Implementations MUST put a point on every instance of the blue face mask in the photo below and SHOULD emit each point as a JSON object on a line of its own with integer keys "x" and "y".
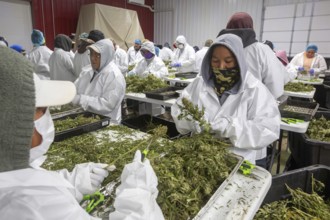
{"x": 148, "y": 55}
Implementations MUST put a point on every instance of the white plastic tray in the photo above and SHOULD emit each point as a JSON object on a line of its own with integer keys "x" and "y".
{"x": 240, "y": 199}
{"x": 308, "y": 95}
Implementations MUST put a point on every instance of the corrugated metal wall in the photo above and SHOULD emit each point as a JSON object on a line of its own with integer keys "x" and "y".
{"x": 199, "y": 20}
{"x": 61, "y": 16}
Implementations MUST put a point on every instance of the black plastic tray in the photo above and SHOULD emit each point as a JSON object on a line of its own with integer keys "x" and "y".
{"x": 306, "y": 151}
{"x": 188, "y": 75}
{"x": 104, "y": 121}
{"x": 141, "y": 123}
{"x": 164, "y": 93}
{"x": 306, "y": 116}
{"x": 300, "y": 178}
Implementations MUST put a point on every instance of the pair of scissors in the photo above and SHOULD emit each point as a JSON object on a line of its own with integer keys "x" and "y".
{"x": 246, "y": 168}
{"x": 145, "y": 151}
{"x": 291, "y": 120}
{"x": 93, "y": 200}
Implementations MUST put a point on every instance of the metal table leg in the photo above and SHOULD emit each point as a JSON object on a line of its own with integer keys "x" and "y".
{"x": 279, "y": 152}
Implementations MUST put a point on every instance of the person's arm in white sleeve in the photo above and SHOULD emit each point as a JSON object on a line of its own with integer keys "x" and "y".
{"x": 184, "y": 125}
{"x": 123, "y": 62}
{"x": 137, "y": 193}
{"x": 322, "y": 65}
{"x": 86, "y": 178}
{"x": 191, "y": 58}
{"x": 259, "y": 128}
{"x": 67, "y": 61}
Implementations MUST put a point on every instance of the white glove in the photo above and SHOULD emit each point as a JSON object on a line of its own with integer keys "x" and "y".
{"x": 86, "y": 177}
{"x": 76, "y": 100}
{"x": 136, "y": 196}
{"x": 219, "y": 125}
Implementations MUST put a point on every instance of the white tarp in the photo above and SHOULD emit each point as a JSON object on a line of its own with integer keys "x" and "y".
{"x": 119, "y": 24}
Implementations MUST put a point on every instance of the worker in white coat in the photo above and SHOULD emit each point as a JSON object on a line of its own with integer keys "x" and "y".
{"x": 166, "y": 54}
{"x": 28, "y": 193}
{"x": 291, "y": 69}
{"x": 309, "y": 61}
{"x": 40, "y": 54}
{"x": 101, "y": 87}
{"x": 201, "y": 53}
{"x": 121, "y": 58}
{"x": 61, "y": 61}
{"x": 133, "y": 53}
{"x": 150, "y": 64}
{"x": 184, "y": 56}
{"x": 261, "y": 60}
{"x": 81, "y": 57}
{"x": 236, "y": 104}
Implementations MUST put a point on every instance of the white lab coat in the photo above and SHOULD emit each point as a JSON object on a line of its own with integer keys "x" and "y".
{"x": 292, "y": 72}
{"x": 186, "y": 57}
{"x": 250, "y": 118}
{"x": 133, "y": 56}
{"x": 80, "y": 60}
{"x": 39, "y": 56}
{"x": 249, "y": 115}
{"x": 121, "y": 60}
{"x": 38, "y": 195}
{"x": 155, "y": 67}
{"x": 199, "y": 58}
{"x": 266, "y": 67}
{"x": 104, "y": 94}
{"x": 166, "y": 54}
{"x": 61, "y": 66}
{"x": 318, "y": 64}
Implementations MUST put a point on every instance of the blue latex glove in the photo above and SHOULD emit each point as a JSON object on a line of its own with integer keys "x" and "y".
{"x": 176, "y": 65}
{"x": 300, "y": 69}
{"x": 312, "y": 71}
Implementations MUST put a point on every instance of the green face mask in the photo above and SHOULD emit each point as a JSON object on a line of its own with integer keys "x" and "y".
{"x": 225, "y": 79}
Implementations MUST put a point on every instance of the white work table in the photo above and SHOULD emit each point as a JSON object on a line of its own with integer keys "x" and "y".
{"x": 179, "y": 80}
{"x": 308, "y": 95}
{"x": 142, "y": 98}
{"x": 318, "y": 82}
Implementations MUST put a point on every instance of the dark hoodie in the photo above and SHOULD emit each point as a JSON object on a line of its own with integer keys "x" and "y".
{"x": 64, "y": 42}
{"x": 241, "y": 24}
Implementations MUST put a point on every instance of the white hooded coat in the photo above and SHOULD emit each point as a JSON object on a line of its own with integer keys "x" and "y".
{"x": 61, "y": 65}
{"x": 249, "y": 116}
{"x": 106, "y": 91}
{"x": 166, "y": 54}
{"x": 154, "y": 66}
{"x": 185, "y": 56}
{"x": 121, "y": 60}
{"x": 133, "y": 56}
{"x": 318, "y": 64}
{"x": 80, "y": 60}
{"x": 199, "y": 58}
{"x": 39, "y": 56}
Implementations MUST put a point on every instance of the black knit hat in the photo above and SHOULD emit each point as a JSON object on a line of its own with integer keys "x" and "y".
{"x": 96, "y": 35}
{"x": 17, "y": 98}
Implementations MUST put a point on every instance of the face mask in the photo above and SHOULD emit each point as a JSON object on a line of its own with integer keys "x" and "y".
{"x": 45, "y": 128}
{"x": 225, "y": 79}
{"x": 148, "y": 55}
{"x": 180, "y": 46}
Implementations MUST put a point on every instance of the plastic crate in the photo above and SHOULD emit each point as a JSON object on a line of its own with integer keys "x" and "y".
{"x": 300, "y": 178}
{"x": 189, "y": 75}
{"x": 104, "y": 121}
{"x": 141, "y": 123}
{"x": 163, "y": 94}
{"x": 306, "y": 151}
{"x": 304, "y": 110}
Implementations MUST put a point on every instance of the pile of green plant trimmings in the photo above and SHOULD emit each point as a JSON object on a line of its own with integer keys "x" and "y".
{"x": 62, "y": 108}
{"x": 302, "y": 206}
{"x": 319, "y": 129}
{"x": 298, "y": 87}
{"x": 144, "y": 84}
{"x": 69, "y": 123}
{"x": 189, "y": 169}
